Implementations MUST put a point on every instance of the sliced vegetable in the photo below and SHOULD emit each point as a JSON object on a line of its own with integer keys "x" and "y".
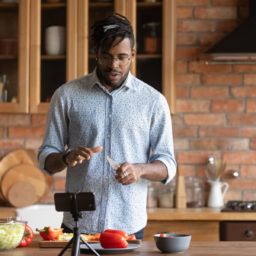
{"x": 131, "y": 237}
{"x": 49, "y": 233}
{"x": 27, "y": 237}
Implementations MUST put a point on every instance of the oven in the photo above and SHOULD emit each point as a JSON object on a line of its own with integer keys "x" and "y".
{"x": 238, "y": 230}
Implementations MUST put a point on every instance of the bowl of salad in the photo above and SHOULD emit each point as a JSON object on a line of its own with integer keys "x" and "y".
{"x": 11, "y": 233}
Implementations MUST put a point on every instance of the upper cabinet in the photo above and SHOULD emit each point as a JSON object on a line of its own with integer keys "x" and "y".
{"x": 14, "y": 55}
{"x": 53, "y": 46}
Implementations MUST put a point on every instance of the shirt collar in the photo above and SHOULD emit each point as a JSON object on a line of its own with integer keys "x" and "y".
{"x": 95, "y": 80}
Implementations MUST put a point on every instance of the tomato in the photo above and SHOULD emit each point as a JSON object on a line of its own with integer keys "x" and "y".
{"x": 110, "y": 239}
{"x": 27, "y": 237}
{"x": 49, "y": 233}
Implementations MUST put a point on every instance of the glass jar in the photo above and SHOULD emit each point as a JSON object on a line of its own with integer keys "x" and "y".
{"x": 152, "y": 41}
{"x": 166, "y": 195}
{"x": 194, "y": 192}
{"x": 152, "y": 197}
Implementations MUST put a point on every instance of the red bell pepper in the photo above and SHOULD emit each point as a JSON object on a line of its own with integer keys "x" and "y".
{"x": 27, "y": 237}
{"x": 117, "y": 231}
{"x": 49, "y": 233}
{"x": 113, "y": 239}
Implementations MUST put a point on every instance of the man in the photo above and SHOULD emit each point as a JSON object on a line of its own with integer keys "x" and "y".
{"x": 110, "y": 113}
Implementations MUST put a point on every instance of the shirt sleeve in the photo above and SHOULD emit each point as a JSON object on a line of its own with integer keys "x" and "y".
{"x": 56, "y": 130}
{"x": 162, "y": 138}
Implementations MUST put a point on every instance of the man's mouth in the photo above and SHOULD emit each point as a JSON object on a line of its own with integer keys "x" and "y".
{"x": 113, "y": 74}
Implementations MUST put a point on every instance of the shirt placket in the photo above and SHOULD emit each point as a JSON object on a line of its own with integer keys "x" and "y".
{"x": 107, "y": 150}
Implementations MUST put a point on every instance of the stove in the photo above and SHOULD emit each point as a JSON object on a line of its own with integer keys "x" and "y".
{"x": 240, "y": 206}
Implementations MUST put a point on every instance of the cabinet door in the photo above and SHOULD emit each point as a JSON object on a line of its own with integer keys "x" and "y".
{"x": 14, "y": 49}
{"x": 53, "y": 49}
{"x": 88, "y": 12}
{"x": 155, "y": 33}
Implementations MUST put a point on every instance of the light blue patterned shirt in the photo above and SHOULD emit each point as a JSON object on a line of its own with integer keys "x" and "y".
{"x": 132, "y": 123}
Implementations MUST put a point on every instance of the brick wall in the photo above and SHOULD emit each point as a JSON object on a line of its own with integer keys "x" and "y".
{"x": 215, "y": 104}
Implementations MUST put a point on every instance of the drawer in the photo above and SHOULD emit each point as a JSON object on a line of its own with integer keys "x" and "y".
{"x": 238, "y": 231}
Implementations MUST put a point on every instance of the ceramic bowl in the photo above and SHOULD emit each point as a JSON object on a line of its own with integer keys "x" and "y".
{"x": 11, "y": 233}
{"x": 172, "y": 242}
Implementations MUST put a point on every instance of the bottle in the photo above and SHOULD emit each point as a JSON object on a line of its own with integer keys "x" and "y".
{"x": 5, "y": 89}
{"x": 151, "y": 37}
{"x": 1, "y": 89}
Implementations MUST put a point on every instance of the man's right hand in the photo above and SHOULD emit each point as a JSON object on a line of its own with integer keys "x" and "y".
{"x": 81, "y": 154}
{"x": 54, "y": 162}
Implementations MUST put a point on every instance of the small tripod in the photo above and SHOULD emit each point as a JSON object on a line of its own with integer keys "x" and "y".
{"x": 73, "y": 200}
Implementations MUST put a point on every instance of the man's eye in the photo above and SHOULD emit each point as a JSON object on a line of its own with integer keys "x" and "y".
{"x": 122, "y": 57}
{"x": 106, "y": 57}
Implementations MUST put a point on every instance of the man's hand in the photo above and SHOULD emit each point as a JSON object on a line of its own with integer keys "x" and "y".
{"x": 81, "y": 154}
{"x": 128, "y": 173}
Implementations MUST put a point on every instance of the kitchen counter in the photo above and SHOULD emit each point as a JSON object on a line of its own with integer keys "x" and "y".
{"x": 148, "y": 248}
{"x": 195, "y": 221}
{"x": 202, "y": 214}
{"x": 172, "y": 214}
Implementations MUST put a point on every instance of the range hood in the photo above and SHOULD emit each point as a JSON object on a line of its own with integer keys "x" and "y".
{"x": 238, "y": 45}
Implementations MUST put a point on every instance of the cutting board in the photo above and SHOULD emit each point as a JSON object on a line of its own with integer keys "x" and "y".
{"x": 21, "y": 194}
{"x": 16, "y": 157}
{"x": 23, "y": 172}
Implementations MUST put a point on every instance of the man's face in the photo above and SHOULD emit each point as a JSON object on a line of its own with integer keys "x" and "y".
{"x": 114, "y": 65}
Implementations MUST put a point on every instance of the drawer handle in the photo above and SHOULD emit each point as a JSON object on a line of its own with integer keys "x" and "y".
{"x": 249, "y": 233}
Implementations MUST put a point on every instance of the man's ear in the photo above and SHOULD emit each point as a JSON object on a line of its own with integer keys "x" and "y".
{"x": 133, "y": 54}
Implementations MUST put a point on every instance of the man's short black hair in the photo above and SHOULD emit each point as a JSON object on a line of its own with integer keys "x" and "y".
{"x": 105, "y": 32}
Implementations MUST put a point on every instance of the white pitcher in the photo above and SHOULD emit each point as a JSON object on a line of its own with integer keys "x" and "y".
{"x": 217, "y": 192}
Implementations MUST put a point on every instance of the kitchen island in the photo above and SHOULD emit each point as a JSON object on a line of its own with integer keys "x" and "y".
{"x": 148, "y": 248}
{"x": 195, "y": 221}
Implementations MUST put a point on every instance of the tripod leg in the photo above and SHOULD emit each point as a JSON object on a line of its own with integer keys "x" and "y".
{"x": 89, "y": 247}
{"x": 66, "y": 247}
{"x": 76, "y": 243}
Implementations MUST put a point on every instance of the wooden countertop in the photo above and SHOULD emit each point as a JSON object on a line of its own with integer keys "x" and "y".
{"x": 173, "y": 214}
{"x": 149, "y": 249}
{"x": 197, "y": 214}
{"x": 6, "y": 212}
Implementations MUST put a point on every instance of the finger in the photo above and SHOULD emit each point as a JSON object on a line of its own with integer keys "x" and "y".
{"x": 96, "y": 149}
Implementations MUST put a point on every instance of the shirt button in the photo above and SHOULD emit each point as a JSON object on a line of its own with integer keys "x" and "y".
{"x": 109, "y": 115}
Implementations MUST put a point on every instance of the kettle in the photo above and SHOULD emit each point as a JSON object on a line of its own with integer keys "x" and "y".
{"x": 217, "y": 192}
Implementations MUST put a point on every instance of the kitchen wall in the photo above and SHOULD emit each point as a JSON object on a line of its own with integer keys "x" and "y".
{"x": 215, "y": 104}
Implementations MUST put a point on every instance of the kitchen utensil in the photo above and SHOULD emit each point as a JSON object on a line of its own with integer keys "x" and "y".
{"x": 170, "y": 243}
{"x": 114, "y": 165}
{"x": 23, "y": 172}
{"x": 214, "y": 168}
{"x": 220, "y": 167}
{"x": 181, "y": 199}
{"x": 22, "y": 194}
{"x": 16, "y": 157}
{"x": 217, "y": 192}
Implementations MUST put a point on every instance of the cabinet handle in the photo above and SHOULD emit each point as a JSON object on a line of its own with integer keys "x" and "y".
{"x": 249, "y": 233}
